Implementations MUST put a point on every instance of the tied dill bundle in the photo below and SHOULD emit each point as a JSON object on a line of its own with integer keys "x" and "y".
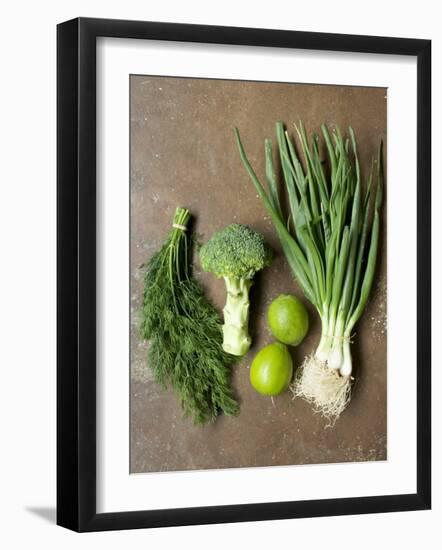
{"x": 184, "y": 330}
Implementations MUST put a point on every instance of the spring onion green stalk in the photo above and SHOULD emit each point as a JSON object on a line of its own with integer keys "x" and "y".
{"x": 330, "y": 240}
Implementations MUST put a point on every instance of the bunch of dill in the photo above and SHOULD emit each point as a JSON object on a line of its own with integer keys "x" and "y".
{"x": 184, "y": 330}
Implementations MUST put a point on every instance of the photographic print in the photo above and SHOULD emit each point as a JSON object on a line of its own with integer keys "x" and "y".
{"x": 223, "y": 302}
{"x": 258, "y": 274}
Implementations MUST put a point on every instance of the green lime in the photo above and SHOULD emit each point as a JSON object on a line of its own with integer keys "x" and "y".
{"x": 271, "y": 369}
{"x": 288, "y": 319}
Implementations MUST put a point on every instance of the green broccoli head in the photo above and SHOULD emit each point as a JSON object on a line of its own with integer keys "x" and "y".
{"x": 235, "y": 251}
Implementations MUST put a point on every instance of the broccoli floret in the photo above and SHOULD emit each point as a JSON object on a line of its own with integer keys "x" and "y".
{"x": 236, "y": 253}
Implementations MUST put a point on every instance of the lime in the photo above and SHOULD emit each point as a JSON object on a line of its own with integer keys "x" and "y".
{"x": 271, "y": 369}
{"x": 288, "y": 319}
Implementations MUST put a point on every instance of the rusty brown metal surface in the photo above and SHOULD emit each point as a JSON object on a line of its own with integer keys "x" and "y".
{"x": 183, "y": 154}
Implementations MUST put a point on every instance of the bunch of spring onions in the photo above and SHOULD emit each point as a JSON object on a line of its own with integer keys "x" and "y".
{"x": 330, "y": 239}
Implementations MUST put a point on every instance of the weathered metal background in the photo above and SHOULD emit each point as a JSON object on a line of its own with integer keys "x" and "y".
{"x": 183, "y": 153}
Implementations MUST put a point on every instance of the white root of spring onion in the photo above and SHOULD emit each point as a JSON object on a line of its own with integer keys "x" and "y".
{"x": 325, "y": 388}
{"x": 324, "y": 379}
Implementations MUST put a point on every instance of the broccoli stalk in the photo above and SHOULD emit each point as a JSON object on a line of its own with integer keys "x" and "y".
{"x": 236, "y": 339}
{"x": 236, "y": 253}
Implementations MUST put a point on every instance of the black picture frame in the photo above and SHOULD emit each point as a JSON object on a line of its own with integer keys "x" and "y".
{"x": 76, "y": 273}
